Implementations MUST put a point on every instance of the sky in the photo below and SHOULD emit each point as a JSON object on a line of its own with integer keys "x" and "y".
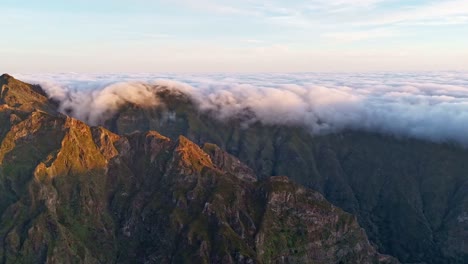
{"x": 233, "y": 36}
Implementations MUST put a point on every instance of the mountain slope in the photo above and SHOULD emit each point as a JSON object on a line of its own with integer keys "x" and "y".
{"x": 70, "y": 193}
{"x": 411, "y": 196}
{"x": 23, "y": 96}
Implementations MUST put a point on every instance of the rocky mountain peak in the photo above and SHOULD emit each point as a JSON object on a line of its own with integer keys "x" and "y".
{"x": 5, "y": 77}
{"x": 24, "y": 96}
{"x": 192, "y": 155}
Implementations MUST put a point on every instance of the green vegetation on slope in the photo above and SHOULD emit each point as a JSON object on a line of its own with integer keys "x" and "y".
{"x": 411, "y": 196}
{"x": 74, "y": 194}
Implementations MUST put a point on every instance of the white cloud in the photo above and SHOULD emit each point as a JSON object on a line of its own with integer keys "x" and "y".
{"x": 432, "y": 106}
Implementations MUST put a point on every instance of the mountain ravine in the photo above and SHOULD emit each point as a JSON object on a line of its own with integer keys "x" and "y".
{"x": 71, "y": 193}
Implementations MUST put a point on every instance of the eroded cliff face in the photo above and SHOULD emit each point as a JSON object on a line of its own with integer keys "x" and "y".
{"x": 411, "y": 196}
{"x": 70, "y": 193}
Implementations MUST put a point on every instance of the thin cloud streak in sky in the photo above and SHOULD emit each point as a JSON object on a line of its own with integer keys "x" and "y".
{"x": 351, "y": 36}
{"x": 431, "y": 106}
{"x": 439, "y": 11}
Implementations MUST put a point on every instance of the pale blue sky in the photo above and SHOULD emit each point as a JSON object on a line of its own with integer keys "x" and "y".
{"x": 233, "y": 36}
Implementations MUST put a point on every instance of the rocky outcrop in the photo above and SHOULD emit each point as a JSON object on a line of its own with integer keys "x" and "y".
{"x": 23, "y": 96}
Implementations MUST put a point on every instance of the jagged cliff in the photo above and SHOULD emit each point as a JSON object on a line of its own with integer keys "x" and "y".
{"x": 411, "y": 196}
{"x": 70, "y": 193}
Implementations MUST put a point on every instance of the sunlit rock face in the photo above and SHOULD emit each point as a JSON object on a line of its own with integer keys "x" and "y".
{"x": 71, "y": 193}
{"x": 407, "y": 193}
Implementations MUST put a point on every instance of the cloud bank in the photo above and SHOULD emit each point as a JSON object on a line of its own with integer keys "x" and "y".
{"x": 430, "y": 106}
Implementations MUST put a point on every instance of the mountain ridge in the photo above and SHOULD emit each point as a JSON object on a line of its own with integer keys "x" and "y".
{"x": 375, "y": 176}
{"x": 79, "y": 194}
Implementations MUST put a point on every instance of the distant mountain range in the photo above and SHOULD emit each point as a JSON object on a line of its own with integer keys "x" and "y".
{"x": 212, "y": 191}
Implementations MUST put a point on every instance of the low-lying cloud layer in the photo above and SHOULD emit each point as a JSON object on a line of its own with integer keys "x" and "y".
{"x": 432, "y": 106}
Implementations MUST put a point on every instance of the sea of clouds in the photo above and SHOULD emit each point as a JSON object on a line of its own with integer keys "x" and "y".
{"x": 430, "y": 105}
